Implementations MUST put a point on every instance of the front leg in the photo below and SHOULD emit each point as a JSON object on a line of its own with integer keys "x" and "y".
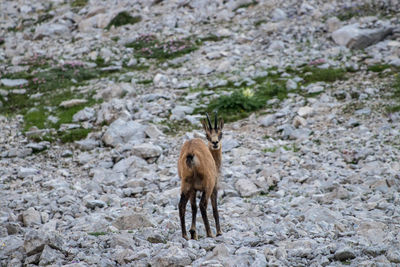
{"x": 203, "y": 210}
{"x": 182, "y": 211}
{"x": 214, "y": 197}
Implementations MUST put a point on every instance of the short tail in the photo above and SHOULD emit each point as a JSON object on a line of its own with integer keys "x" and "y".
{"x": 190, "y": 160}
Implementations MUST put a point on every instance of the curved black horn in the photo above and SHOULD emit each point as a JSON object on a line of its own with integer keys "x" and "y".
{"x": 209, "y": 122}
{"x": 215, "y": 120}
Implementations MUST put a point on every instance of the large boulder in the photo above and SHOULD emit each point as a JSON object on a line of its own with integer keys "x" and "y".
{"x": 122, "y": 132}
{"x": 353, "y": 37}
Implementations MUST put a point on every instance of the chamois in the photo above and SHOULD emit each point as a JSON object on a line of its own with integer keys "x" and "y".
{"x": 199, "y": 168}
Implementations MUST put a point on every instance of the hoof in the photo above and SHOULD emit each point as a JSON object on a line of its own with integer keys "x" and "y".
{"x": 219, "y": 233}
{"x": 185, "y": 236}
{"x": 194, "y": 235}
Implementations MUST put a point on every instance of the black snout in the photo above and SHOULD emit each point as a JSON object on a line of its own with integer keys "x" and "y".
{"x": 215, "y": 144}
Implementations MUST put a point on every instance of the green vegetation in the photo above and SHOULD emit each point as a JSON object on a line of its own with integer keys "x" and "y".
{"x": 79, "y": 3}
{"x": 74, "y": 134}
{"x": 243, "y": 101}
{"x": 292, "y": 147}
{"x": 396, "y": 96}
{"x": 97, "y": 233}
{"x": 45, "y": 90}
{"x": 123, "y": 18}
{"x": 246, "y": 5}
{"x": 144, "y": 82}
{"x": 378, "y": 67}
{"x": 363, "y": 10}
{"x": 148, "y": 46}
{"x": 314, "y": 74}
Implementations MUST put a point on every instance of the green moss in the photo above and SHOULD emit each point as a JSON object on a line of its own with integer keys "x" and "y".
{"x": 123, "y": 18}
{"x": 364, "y": 9}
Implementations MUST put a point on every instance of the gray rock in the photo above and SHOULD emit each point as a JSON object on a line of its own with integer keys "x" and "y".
{"x": 278, "y": 14}
{"x": 173, "y": 256}
{"x": 267, "y": 120}
{"x": 229, "y": 143}
{"x": 51, "y": 30}
{"x": 393, "y": 255}
{"x": 31, "y": 217}
{"x": 153, "y": 132}
{"x": 37, "y": 147}
{"x": 160, "y": 80}
{"x": 13, "y": 82}
{"x": 72, "y": 102}
{"x": 26, "y": 172}
{"x": 86, "y": 114}
{"x": 291, "y": 85}
{"x": 246, "y": 188}
{"x": 130, "y": 220}
{"x": 107, "y": 177}
{"x": 353, "y": 37}
{"x": 179, "y": 112}
{"x": 147, "y": 151}
{"x": 87, "y": 144}
{"x": 333, "y": 23}
{"x": 50, "y": 256}
{"x": 345, "y": 253}
{"x": 10, "y": 247}
{"x": 92, "y": 204}
{"x": 132, "y": 162}
{"x": 305, "y": 111}
{"x": 122, "y": 132}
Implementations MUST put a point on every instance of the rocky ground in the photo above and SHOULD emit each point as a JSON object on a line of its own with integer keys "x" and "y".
{"x": 310, "y": 177}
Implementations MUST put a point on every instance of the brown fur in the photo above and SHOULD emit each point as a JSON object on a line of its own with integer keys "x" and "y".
{"x": 198, "y": 168}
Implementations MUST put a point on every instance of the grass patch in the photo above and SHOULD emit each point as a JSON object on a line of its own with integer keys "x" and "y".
{"x": 148, "y": 46}
{"x": 45, "y": 90}
{"x": 246, "y": 5}
{"x": 313, "y": 74}
{"x": 74, "y": 134}
{"x": 365, "y": 9}
{"x": 97, "y": 233}
{"x": 144, "y": 82}
{"x": 378, "y": 67}
{"x": 123, "y": 18}
{"x": 396, "y": 96}
{"x": 243, "y": 101}
{"x": 79, "y": 3}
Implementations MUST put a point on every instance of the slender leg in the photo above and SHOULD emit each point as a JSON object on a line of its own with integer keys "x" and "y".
{"x": 192, "y": 231}
{"x": 182, "y": 210}
{"x": 214, "y": 197}
{"x": 203, "y": 210}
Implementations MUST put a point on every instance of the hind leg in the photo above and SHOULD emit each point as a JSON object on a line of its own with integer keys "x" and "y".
{"x": 182, "y": 211}
{"x": 192, "y": 231}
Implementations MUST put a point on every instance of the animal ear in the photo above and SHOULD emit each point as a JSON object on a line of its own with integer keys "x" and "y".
{"x": 204, "y": 123}
{"x": 221, "y": 124}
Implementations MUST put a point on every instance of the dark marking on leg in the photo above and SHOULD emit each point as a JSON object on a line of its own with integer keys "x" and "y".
{"x": 192, "y": 231}
{"x": 214, "y": 197}
{"x": 203, "y": 210}
{"x": 182, "y": 210}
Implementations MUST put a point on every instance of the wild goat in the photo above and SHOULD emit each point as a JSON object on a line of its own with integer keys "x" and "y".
{"x": 198, "y": 169}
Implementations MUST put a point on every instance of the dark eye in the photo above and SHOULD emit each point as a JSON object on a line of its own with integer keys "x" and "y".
{"x": 220, "y": 136}
{"x": 208, "y": 137}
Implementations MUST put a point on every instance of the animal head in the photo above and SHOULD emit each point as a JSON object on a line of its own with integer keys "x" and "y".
{"x": 213, "y": 134}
